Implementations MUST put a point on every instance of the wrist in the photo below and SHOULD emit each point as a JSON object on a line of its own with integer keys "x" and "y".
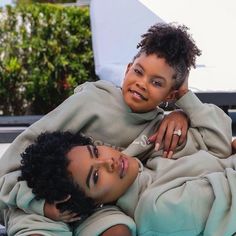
{"x": 181, "y": 93}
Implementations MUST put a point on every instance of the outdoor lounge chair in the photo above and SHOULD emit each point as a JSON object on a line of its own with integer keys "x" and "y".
{"x": 117, "y": 27}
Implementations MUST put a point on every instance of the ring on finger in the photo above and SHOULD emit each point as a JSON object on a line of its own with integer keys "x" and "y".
{"x": 177, "y": 132}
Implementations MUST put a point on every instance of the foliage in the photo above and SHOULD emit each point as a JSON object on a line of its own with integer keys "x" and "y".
{"x": 45, "y": 52}
{"x": 43, "y": 1}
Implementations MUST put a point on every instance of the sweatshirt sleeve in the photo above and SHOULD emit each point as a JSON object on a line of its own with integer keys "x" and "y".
{"x": 18, "y": 194}
{"x": 102, "y": 220}
{"x": 210, "y": 128}
{"x": 71, "y": 115}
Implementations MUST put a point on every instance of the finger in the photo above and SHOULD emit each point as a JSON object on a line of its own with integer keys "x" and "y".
{"x": 165, "y": 154}
{"x": 174, "y": 143}
{"x": 64, "y": 200}
{"x": 152, "y": 138}
{"x": 175, "y": 140}
{"x": 183, "y": 136}
{"x": 169, "y": 136}
{"x": 67, "y": 213}
{"x": 160, "y": 135}
{"x": 68, "y": 216}
{"x": 73, "y": 219}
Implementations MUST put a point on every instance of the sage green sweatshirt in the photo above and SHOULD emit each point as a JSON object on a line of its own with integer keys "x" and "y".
{"x": 191, "y": 196}
{"x": 99, "y": 111}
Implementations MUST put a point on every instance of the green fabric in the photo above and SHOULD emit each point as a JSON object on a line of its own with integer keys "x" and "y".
{"x": 194, "y": 195}
{"x": 98, "y": 110}
{"x": 180, "y": 196}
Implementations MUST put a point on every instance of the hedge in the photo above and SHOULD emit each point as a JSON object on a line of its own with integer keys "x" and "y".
{"x": 45, "y": 52}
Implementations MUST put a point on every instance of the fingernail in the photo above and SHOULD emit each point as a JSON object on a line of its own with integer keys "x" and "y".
{"x": 165, "y": 154}
{"x": 170, "y": 154}
{"x": 157, "y": 146}
{"x": 148, "y": 141}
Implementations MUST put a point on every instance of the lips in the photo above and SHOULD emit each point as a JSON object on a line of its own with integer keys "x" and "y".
{"x": 123, "y": 166}
{"x": 137, "y": 95}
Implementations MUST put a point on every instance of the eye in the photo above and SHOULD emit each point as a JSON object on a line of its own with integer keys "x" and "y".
{"x": 137, "y": 71}
{"x": 95, "y": 176}
{"x": 156, "y": 83}
{"x": 95, "y": 151}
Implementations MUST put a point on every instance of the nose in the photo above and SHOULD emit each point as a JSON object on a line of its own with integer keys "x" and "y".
{"x": 107, "y": 163}
{"x": 141, "y": 84}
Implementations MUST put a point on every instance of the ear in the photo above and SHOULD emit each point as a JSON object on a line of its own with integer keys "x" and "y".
{"x": 172, "y": 95}
{"x": 128, "y": 67}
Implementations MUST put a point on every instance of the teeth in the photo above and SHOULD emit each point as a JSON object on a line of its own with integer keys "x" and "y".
{"x": 138, "y": 95}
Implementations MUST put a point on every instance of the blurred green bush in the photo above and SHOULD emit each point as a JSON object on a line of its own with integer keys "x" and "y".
{"x": 45, "y": 52}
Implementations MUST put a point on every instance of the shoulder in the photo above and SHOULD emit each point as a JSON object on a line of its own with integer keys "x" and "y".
{"x": 97, "y": 85}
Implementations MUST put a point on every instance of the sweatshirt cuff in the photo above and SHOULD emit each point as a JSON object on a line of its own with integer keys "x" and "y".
{"x": 189, "y": 103}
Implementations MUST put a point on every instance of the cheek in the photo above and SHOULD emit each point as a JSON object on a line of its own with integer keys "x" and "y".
{"x": 129, "y": 79}
{"x": 106, "y": 189}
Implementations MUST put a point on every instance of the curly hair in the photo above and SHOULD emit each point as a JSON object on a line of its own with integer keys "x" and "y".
{"x": 44, "y": 167}
{"x": 174, "y": 44}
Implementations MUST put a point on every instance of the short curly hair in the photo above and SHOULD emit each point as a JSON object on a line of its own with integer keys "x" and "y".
{"x": 44, "y": 167}
{"x": 173, "y": 43}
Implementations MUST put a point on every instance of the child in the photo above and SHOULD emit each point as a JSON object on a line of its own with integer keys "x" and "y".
{"x": 162, "y": 64}
{"x": 189, "y": 196}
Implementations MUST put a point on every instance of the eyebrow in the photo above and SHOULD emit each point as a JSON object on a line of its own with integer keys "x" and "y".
{"x": 157, "y": 76}
{"x": 91, "y": 168}
{"x": 89, "y": 176}
{"x": 90, "y": 150}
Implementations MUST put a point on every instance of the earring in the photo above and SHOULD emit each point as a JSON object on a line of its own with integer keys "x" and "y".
{"x": 164, "y": 104}
{"x": 100, "y": 206}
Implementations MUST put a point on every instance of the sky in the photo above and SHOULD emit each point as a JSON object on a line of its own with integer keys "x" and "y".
{"x": 212, "y": 24}
{"x": 4, "y": 2}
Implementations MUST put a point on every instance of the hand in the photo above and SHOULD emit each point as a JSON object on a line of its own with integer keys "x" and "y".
{"x": 176, "y": 120}
{"x": 183, "y": 89}
{"x": 53, "y": 213}
{"x": 233, "y": 146}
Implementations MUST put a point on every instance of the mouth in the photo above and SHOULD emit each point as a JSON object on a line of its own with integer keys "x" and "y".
{"x": 137, "y": 95}
{"x": 123, "y": 166}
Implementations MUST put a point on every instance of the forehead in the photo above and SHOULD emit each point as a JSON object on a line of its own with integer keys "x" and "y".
{"x": 79, "y": 158}
{"x": 155, "y": 64}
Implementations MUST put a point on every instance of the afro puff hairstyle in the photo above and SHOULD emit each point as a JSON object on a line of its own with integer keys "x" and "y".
{"x": 174, "y": 44}
{"x": 44, "y": 167}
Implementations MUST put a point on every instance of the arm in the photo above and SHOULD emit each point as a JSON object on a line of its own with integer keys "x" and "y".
{"x": 209, "y": 189}
{"x": 70, "y": 115}
{"x": 210, "y": 128}
{"x": 53, "y": 213}
{"x": 64, "y": 117}
{"x": 107, "y": 221}
{"x": 17, "y": 194}
{"x": 117, "y": 230}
